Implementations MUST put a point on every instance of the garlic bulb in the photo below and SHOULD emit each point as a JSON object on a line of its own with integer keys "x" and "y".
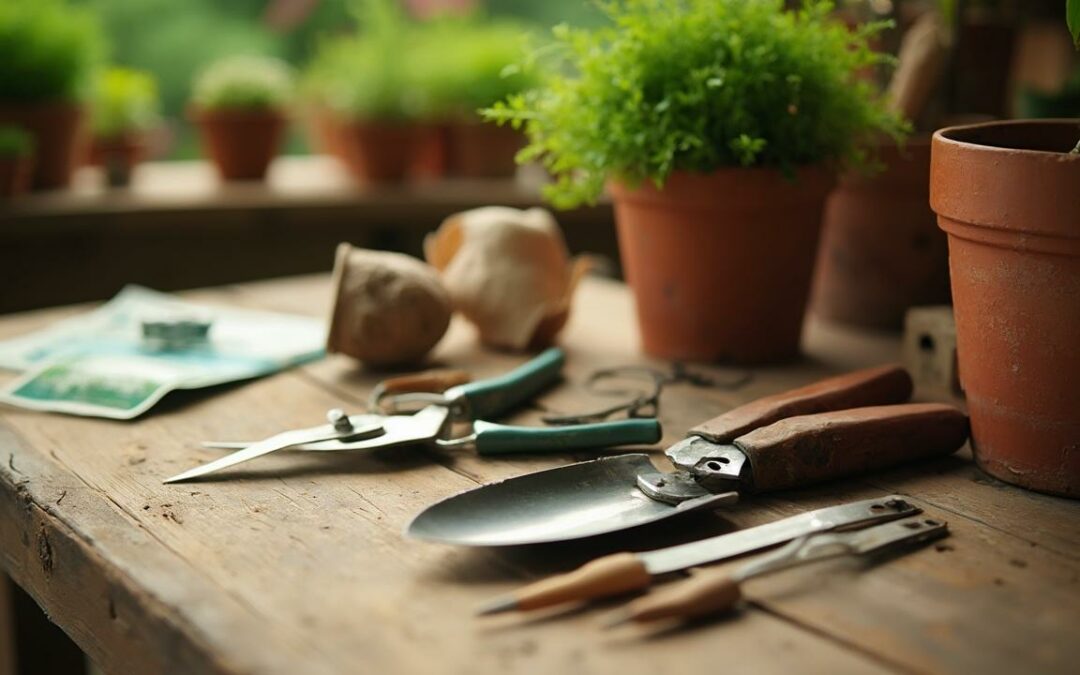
{"x": 508, "y": 272}
{"x": 389, "y": 308}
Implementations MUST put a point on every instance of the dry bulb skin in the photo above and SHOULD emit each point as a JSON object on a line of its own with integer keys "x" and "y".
{"x": 508, "y": 271}
{"x": 390, "y": 309}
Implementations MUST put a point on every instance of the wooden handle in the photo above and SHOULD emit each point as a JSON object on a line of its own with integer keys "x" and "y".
{"x": 704, "y": 593}
{"x": 874, "y": 386}
{"x": 811, "y": 448}
{"x": 610, "y": 575}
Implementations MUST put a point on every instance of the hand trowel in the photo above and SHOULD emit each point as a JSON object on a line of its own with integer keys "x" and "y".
{"x": 845, "y": 425}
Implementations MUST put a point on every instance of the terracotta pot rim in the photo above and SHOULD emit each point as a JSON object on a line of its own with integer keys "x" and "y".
{"x": 947, "y": 135}
{"x": 1016, "y": 197}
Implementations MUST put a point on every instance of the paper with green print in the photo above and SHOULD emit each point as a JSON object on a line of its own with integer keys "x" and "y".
{"x": 99, "y": 364}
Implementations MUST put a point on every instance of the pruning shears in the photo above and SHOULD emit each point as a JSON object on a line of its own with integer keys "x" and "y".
{"x": 472, "y": 403}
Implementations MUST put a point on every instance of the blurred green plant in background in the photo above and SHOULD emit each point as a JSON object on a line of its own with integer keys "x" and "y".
{"x": 244, "y": 82}
{"x": 15, "y": 142}
{"x": 397, "y": 68}
{"x": 124, "y": 100}
{"x": 48, "y": 51}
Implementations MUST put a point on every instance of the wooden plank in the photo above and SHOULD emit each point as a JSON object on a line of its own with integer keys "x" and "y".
{"x": 296, "y": 563}
{"x": 1016, "y": 552}
{"x": 255, "y": 552}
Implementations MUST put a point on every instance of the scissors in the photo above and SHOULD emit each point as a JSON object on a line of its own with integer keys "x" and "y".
{"x": 434, "y": 423}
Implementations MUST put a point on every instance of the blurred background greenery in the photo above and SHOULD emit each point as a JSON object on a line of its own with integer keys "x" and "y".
{"x": 175, "y": 39}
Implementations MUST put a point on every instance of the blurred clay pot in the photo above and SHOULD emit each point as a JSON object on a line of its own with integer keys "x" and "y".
{"x": 241, "y": 143}
{"x": 59, "y": 135}
{"x": 118, "y": 156}
{"x": 478, "y": 149}
{"x": 1008, "y": 195}
{"x": 429, "y": 152}
{"x": 376, "y": 151}
{"x": 881, "y": 250}
{"x": 720, "y": 264}
{"x": 15, "y": 173}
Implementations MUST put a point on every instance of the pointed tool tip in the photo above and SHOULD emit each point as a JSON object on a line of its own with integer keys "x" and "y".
{"x": 498, "y": 606}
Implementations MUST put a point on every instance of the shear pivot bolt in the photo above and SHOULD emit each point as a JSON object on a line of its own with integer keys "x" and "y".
{"x": 339, "y": 420}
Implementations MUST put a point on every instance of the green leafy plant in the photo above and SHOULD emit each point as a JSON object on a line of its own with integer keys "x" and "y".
{"x": 246, "y": 83}
{"x": 697, "y": 85}
{"x": 125, "y": 100}
{"x": 460, "y": 65}
{"x": 15, "y": 142}
{"x": 365, "y": 75}
{"x": 394, "y": 68}
{"x": 48, "y": 50}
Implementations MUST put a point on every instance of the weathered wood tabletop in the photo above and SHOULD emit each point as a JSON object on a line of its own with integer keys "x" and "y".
{"x": 298, "y": 564}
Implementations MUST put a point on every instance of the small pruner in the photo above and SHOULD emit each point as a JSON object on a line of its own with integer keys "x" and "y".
{"x": 339, "y": 427}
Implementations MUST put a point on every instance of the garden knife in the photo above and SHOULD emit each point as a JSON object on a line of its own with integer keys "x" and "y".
{"x": 624, "y": 572}
{"x": 712, "y": 591}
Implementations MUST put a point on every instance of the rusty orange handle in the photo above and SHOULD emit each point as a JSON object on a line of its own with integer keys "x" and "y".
{"x": 811, "y": 448}
{"x": 883, "y": 385}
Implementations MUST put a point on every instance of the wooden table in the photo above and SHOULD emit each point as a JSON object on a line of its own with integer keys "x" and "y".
{"x": 297, "y": 564}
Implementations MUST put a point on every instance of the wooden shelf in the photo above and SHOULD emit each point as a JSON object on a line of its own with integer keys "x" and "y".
{"x": 178, "y": 227}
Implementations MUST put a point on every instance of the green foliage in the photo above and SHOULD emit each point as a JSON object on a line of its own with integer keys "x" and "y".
{"x": 15, "y": 142}
{"x": 698, "y": 85}
{"x": 124, "y": 100}
{"x": 48, "y": 50}
{"x": 244, "y": 82}
{"x": 394, "y": 68}
{"x": 463, "y": 64}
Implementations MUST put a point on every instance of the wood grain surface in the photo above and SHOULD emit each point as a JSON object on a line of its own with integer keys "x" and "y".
{"x": 297, "y": 563}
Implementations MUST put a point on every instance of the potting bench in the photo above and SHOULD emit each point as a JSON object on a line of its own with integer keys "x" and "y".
{"x": 297, "y": 564}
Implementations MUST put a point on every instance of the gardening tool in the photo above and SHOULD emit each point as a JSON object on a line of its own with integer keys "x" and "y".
{"x": 783, "y": 441}
{"x": 712, "y": 591}
{"x": 624, "y": 572}
{"x": 434, "y": 423}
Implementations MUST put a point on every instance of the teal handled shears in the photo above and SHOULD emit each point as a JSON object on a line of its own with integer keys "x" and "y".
{"x": 471, "y": 402}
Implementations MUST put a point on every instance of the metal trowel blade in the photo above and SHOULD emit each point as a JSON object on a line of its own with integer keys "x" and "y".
{"x": 568, "y": 502}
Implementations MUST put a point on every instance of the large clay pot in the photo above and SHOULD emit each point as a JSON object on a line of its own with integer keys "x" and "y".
{"x": 1008, "y": 195}
{"x": 482, "y": 150}
{"x": 376, "y": 152}
{"x": 241, "y": 143}
{"x": 720, "y": 264}
{"x": 881, "y": 250}
{"x": 59, "y": 136}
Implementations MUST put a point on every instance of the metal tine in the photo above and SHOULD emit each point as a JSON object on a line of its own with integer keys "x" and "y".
{"x": 805, "y": 549}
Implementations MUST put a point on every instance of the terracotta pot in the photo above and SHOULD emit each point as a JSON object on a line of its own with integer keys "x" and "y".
{"x": 241, "y": 143}
{"x": 429, "y": 153}
{"x": 59, "y": 137}
{"x": 720, "y": 264}
{"x": 482, "y": 150}
{"x": 1008, "y": 196}
{"x": 376, "y": 152}
{"x": 118, "y": 156}
{"x": 881, "y": 250}
{"x": 15, "y": 173}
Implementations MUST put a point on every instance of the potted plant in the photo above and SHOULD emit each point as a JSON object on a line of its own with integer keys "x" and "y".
{"x": 239, "y": 104}
{"x": 1006, "y": 193}
{"x": 16, "y": 160}
{"x": 48, "y": 52}
{"x": 363, "y": 91}
{"x": 125, "y": 107}
{"x": 465, "y": 64}
{"x": 717, "y": 125}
